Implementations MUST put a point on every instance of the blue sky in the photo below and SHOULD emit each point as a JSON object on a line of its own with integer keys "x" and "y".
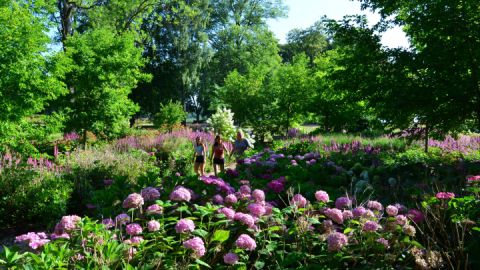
{"x": 303, "y": 13}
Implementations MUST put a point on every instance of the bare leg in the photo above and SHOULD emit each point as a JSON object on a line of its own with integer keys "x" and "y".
{"x": 195, "y": 167}
{"x": 222, "y": 167}
{"x": 215, "y": 169}
{"x": 202, "y": 168}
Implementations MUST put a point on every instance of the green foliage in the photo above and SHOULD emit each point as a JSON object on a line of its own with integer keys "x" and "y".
{"x": 291, "y": 85}
{"x": 104, "y": 67}
{"x": 27, "y": 83}
{"x": 170, "y": 115}
{"x": 89, "y": 168}
{"x": 32, "y": 196}
{"x": 222, "y": 123}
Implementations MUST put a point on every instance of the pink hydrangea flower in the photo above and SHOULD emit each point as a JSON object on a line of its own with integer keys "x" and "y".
{"x": 217, "y": 199}
{"x": 134, "y": 229}
{"x": 336, "y": 241}
{"x": 258, "y": 195}
{"x": 230, "y": 258}
{"x": 33, "y": 240}
{"x": 391, "y": 210}
{"x": 180, "y": 194}
{"x": 343, "y": 202}
{"x": 122, "y": 219}
{"x": 184, "y": 226}
{"x": 67, "y": 224}
{"x": 370, "y": 226}
{"x": 196, "y": 245}
{"x": 359, "y": 211}
{"x": 374, "y": 205}
{"x": 299, "y": 201}
{"x": 401, "y": 220}
{"x": 347, "y": 214}
{"x": 445, "y": 195}
{"x": 228, "y": 212}
{"x": 154, "y": 209}
{"x": 256, "y": 209}
{"x": 244, "y": 241}
{"x": 153, "y": 226}
{"x": 334, "y": 214}
{"x": 136, "y": 240}
{"x": 383, "y": 242}
{"x": 245, "y": 219}
{"x": 268, "y": 208}
{"x": 322, "y": 196}
{"x": 245, "y": 189}
{"x": 133, "y": 200}
{"x": 231, "y": 199}
{"x": 150, "y": 194}
{"x": 108, "y": 222}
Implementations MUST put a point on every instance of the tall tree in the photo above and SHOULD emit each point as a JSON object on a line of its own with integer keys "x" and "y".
{"x": 446, "y": 43}
{"x": 176, "y": 51}
{"x": 104, "y": 67}
{"x": 293, "y": 88}
{"x": 26, "y": 81}
{"x": 312, "y": 41}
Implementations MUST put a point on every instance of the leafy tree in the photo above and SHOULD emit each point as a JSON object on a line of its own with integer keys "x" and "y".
{"x": 105, "y": 66}
{"x": 312, "y": 41}
{"x": 293, "y": 89}
{"x": 170, "y": 115}
{"x": 445, "y": 58}
{"x": 250, "y": 99}
{"x": 177, "y": 51}
{"x": 26, "y": 81}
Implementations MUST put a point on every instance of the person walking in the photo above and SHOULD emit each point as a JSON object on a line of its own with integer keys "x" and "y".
{"x": 240, "y": 145}
{"x": 199, "y": 157}
{"x": 218, "y": 157}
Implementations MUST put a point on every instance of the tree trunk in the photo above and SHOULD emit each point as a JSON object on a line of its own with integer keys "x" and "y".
{"x": 66, "y": 10}
{"x": 426, "y": 138}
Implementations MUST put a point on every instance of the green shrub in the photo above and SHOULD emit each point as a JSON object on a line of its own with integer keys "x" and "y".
{"x": 170, "y": 115}
{"x": 32, "y": 197}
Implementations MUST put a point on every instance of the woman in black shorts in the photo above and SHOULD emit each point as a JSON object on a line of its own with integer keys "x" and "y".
{"x": 218, "y": 155}
{"x": 199, "y": 157}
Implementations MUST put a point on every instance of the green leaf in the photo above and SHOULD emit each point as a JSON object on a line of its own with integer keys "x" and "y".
{"x": 347, "y": 230}
{"x": 259, "y": 264}
{"x": 221, "y": 236}
{"x": 200, "y": 262}
{"x": 201, "y": 233}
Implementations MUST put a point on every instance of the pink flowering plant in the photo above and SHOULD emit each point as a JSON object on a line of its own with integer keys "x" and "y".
{"x": 262, "y": 216}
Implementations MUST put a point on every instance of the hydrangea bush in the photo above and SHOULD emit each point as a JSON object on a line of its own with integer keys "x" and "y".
{"x": 256, "y": 217}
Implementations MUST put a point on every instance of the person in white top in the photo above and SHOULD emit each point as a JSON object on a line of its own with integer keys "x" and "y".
{"x": 199, "y": 157}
